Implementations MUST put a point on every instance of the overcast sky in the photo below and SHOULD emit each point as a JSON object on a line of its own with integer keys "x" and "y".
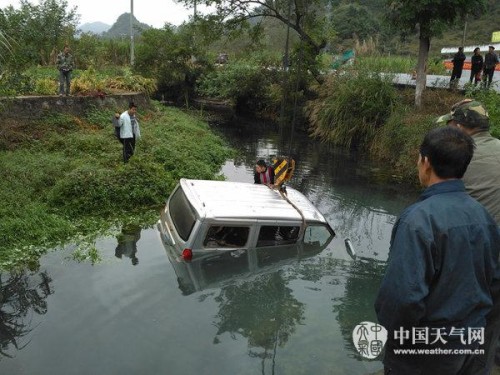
{"x": 152, "y": 12}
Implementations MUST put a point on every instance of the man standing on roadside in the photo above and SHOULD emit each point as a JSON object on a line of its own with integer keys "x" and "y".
{"x": 458, "y": 65}
{"x": 443, "y": 265}
{"x": 490, "y": 62}
{"x": 482, "y": 182}
{"x": 129, "y": 131}
{"x": 65, "y": 65}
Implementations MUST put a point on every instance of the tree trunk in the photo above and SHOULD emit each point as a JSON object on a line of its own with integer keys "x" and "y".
{"x": 423, "y": 53}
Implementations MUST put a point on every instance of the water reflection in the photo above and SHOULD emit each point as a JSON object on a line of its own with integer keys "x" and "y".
{"x": 127, "y": 243}
{"x": 356, "y": 305}
{"x": 268, "y": 324}
{"x": 20, "y": 296}
{"x": 221, "y": 268}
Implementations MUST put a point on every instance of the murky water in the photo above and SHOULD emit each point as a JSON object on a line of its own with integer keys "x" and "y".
{"x": 133, "y": 314}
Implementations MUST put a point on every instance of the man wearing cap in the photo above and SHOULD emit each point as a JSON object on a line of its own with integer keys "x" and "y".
{"x": 490, "y": 62}
{"x": 482, "y": 182}
{"x": 483, "y": 174}
{"x": 443, "y": 263}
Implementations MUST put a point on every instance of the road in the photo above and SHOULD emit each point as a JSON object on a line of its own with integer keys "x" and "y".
{"x": 442, "y": 81}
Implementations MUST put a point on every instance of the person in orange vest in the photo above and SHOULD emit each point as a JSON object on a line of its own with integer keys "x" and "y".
{"x": 264, "y": 174}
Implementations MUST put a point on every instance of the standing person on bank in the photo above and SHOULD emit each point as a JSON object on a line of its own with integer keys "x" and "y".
{"x": 65, "y": 65}
{"x": 482, "y": 182}
{"x": 129, "y": 131}
{"x": 443, "y": 265}
{"x": 458, "y": 65}
{"x": 490, "y": 62}
{"x": 476, "y": 66}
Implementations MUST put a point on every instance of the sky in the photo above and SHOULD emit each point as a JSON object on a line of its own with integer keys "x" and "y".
{"x": 152, "y": 12}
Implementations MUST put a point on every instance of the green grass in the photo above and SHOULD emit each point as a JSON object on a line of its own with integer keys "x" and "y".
{"x": 66, "y": 181}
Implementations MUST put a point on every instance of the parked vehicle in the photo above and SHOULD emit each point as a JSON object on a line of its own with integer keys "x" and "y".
{"x": 206, "y": 217}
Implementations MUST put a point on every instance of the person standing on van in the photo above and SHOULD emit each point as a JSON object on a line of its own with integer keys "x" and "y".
{"x": 458, "y": 65}
{"x": 264, "y": 174}
{"x": 65, "y": 65}
{"x": 476, "y": 66}
{"x": 490, "y": 62}
{"x": 129, "y": 131}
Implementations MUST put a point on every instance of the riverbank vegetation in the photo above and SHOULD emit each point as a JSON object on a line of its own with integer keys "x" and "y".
{"x": 368, "y": 112}
{"x": 63, "y": 179}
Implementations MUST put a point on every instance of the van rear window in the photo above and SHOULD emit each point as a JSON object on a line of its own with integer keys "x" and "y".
{"x": 182, "y": 213}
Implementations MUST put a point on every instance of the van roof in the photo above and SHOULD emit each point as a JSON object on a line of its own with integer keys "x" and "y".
{"x": 247, "y": 201}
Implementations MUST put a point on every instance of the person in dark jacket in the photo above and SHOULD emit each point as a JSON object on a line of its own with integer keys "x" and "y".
{"x": 490, "y": 62}
{"x": 443, "y": 265}
{"x": 476, "y": 66}
{"x": 458, "y": 65}
{"x": 264, "y": 174}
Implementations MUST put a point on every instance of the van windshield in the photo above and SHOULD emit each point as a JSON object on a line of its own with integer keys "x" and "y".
{"x": 182, "y": 213}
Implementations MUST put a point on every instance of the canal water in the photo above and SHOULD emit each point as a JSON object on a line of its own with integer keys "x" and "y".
{"x": 135, "y": 313}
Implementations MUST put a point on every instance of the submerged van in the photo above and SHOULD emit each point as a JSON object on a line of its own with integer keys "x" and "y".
{"x": 205, "y": 217}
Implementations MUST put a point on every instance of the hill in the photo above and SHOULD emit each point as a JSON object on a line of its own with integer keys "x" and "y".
{"x": 122, "y": 27}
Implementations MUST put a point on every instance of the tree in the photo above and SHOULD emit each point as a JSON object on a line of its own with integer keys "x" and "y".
{"x": 353, "y": 20}
{"x": 168, "y": 55}
{"x": 37, "y": 31}
{"x": 429, "y": 18}
{"x": 306, "y": 17}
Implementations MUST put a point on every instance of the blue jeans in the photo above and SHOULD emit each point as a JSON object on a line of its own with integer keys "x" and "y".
{"x": 64, "y": 78}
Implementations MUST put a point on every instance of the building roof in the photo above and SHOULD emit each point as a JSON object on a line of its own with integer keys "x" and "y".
{"x": 470, "y": 49}
{"x": 246, "y": 201}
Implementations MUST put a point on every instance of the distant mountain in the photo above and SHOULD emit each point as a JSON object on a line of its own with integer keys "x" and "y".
{"x": 121, "y": 27}
{"x": 94, "y": 27}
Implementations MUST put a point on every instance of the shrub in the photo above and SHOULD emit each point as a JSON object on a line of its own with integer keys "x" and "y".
{"x": 245, "y": 82}
{"x": 350, "y": 107}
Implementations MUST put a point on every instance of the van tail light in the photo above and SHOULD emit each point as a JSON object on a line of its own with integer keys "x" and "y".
{"x": 187, "y": 254}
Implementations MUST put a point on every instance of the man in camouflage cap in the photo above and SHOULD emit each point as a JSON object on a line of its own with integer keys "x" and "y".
{"x": 482, "y": 181}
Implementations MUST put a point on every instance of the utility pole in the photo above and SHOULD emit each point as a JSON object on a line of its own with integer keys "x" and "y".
{"x": 132, "y": 57}
{"x": 465, "y": 31}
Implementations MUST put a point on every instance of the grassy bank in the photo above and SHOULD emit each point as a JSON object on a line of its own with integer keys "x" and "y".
{"x": 62, "y": 179}
{"x": 368, "y": 112}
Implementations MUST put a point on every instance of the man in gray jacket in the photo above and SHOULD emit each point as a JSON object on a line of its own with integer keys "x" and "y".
{"x": 482, "y": 182}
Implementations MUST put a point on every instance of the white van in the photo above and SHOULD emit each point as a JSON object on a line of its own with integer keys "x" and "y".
{"x": 205, "y": 217}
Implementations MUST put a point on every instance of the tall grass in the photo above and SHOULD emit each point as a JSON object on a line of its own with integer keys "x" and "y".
{"x": 350, "y": 107}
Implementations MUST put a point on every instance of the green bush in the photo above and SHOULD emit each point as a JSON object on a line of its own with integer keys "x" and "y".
{"x": 397, "y": 142}
{"x": 350, "y": 107}
{"x": 245, "y": 82}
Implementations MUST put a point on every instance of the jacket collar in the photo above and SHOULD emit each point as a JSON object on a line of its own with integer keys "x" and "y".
{"x": 448, "y": 186}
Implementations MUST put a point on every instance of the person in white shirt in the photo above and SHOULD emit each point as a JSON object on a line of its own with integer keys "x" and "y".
{"x": 129, "y": 131}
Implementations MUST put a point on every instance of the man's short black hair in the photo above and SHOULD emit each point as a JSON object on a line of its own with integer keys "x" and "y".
{"x": 449, "y": 151}
{"x": 261, "y": 163}
{"x": 131, "y": 105}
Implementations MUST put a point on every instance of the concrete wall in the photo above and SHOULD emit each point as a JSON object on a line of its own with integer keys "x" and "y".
{"x": 34, "y": 107}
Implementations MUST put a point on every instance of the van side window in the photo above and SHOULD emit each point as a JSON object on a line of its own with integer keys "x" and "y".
{"x": 317, "y": 235}
{"x": 225, "y": 236}
{"x": 271, "y": 235}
